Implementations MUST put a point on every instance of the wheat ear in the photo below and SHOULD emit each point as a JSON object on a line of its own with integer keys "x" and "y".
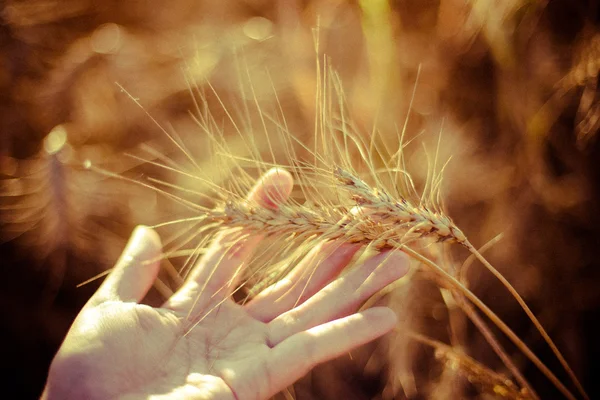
{"x": 473, "y": 370}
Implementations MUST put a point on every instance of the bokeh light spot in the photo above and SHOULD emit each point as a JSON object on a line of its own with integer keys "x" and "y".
{"x": 107, "y": 39}
{"x": 258, "y": 28}
{"x": 56, "y": 140}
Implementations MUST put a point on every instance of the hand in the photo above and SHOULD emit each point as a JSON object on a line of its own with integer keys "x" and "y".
{"x": 201, "y": 344}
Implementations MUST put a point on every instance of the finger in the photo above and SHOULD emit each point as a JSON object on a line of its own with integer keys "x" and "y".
{"x": 135, "y": 271}
{"x": 303, "y": 351}
{"x": 317, "y": 269}
{"x": 218, "y": 271}
{"x": 272, "y": 189}
{"x": 342, "y": 296}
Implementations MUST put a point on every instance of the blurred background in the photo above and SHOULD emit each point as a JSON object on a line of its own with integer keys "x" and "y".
{"x": 512, "y": 85}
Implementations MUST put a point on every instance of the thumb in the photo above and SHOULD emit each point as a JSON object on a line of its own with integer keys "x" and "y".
{"x": 135, "y": 271}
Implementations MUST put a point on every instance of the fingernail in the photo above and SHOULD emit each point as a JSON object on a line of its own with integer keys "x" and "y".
{"x": 276, "y": 187}
{"x": 382, "y": 313}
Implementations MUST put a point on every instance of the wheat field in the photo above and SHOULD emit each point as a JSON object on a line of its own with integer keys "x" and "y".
{"x": 461, "y": 132}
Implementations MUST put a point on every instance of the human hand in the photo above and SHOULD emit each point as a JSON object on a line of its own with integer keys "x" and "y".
{"x": 201, "y": 344}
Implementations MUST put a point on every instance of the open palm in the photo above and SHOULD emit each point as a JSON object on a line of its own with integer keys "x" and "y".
{"x": 201, "y": 344}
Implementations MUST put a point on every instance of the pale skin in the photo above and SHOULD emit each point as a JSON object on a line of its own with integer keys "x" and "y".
{"x": 201, "y": 344}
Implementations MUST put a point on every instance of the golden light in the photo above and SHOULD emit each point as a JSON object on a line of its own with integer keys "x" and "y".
{"x": 56, "y": 140}
{"x": 258, "y": 28}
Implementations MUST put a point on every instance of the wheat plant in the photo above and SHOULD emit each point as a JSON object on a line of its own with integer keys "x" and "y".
{"x": 351, "y": 188}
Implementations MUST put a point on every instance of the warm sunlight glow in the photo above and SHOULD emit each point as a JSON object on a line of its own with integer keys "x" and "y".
{"x": 56, "y": 140}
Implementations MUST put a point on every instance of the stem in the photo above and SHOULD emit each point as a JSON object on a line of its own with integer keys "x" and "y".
{"x": 531, "y": 316}
{"x": 464, "y": 268}
{"x": 493, "y": 376}
{"x": 497, "y": 347}
{"x": 495, "y": 319}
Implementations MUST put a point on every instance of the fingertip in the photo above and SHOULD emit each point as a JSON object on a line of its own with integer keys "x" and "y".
{"x": 149, "y": 234}
{"x": 136, "y": 269}
{"x": 383, "y": 318}
{"x": 144, "y": 244}
{"x": 273, "y": 188}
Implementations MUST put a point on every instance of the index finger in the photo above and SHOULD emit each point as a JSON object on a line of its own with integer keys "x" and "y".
{"x": 217, "y": 273}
